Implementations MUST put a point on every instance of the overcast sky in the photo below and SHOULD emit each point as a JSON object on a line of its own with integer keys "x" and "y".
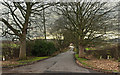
{"x": 112, "y": 3}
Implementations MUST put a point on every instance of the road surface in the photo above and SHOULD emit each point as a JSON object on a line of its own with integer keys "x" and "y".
{"x": 63, "y": 62}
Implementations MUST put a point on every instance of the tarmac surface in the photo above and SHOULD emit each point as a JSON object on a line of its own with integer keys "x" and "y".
{"x": 62, "y": 63}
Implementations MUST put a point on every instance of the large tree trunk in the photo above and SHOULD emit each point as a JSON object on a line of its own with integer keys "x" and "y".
{"x": 22, "y": 54}
{"x": 81, "y": 51}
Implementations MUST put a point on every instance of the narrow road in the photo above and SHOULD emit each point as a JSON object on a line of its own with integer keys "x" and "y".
{"x": 63, "y": 62}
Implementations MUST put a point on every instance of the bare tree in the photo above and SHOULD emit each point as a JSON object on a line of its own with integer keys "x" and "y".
{"x": 42, "y": 20}
{"x": 88, "y": 20}
{"x": 21, "y": 33}
{"x": 20, "y": 13}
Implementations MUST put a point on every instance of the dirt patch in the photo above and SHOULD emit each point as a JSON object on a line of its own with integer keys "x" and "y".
{"x": 7, "y": 63}
{"x": 104, "y": 64}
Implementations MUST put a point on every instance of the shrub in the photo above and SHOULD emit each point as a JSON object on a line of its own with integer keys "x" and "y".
{"x": 10, "y": 50}
{"x": 112, "y": 51}
{"x": 118, "y": 60}
{"x": 29, "y": 47}
{"x": 43, "y": 48}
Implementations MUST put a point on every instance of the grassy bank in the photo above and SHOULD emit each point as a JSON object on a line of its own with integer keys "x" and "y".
{"x": 14, "y": 63}
{"x": 81, "y": 60}
{"x": 103, "y": 65}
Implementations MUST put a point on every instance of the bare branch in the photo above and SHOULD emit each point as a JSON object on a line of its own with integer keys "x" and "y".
{"x": 10, "y": 27}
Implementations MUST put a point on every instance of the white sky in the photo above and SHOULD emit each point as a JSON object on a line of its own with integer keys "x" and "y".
{"x": 1, "y": 6}
{"x": 63, "y": 0}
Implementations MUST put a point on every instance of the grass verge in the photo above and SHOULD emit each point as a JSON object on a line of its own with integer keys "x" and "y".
{"x": 81, "y": 60}
{"x": 30, "y": 60}
{"x": 100, "y": 66}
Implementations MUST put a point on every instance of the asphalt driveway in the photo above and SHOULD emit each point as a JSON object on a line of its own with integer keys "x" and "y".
{"x": 63, "y": 62}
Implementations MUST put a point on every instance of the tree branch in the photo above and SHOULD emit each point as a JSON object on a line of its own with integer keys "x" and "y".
{"x": 10, "y": 27}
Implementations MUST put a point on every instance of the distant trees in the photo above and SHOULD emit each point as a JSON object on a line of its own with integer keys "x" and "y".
{"x": 60, "y": 32}
{"x": 41, "y": 21}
